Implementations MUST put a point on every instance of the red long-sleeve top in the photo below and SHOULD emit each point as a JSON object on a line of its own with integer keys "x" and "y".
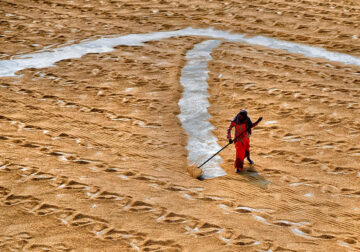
{"x": 242, "y": 129}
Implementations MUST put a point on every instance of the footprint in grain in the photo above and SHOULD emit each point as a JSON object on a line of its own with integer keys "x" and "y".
{"x": 83, "y": 220}
{"x": 171, "y": 217}
{"x": 139, "y": 206}
{"x": 161, "y": 245}
{"x": 113, "y": 234}
{"x": 243, "y": 240}
{"x": 329, "y": 189}
{"x": 206, "y": 229}
{"x": 45, "y": 209}
{"x": 289, "y": 179}
{"x": 13, "y": 200}
{"x": 16, "y": 242}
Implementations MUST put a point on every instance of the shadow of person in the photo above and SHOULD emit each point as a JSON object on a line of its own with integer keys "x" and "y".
{"x": 248, "y": 175}
{"x": 254, "y": 178}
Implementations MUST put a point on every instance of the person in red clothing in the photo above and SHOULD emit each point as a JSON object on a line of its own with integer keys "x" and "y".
{"x": 243, "y": 125}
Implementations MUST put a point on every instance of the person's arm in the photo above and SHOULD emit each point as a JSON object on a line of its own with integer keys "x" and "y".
{"x": 249, "y": 125}
{"x": 232, "y": 124}
{"x": 256, "y": 123}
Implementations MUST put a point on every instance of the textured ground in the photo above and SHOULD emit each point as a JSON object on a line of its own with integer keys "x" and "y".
{"x": 92, "y": 153}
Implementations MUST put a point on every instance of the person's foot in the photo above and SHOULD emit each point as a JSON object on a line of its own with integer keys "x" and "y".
{"x": 250, "y": 161}
{"x": 238, "y": 171}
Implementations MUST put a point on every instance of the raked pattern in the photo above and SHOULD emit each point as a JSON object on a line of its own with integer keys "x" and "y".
{"x": 194, "y": 116}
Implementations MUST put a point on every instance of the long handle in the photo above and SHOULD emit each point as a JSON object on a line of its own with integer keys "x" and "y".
{"x": 260, "y": 118}
{"x": 214, "y": 155}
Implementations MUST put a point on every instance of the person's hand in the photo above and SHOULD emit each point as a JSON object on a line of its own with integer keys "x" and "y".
{"x": 230, "y": 141}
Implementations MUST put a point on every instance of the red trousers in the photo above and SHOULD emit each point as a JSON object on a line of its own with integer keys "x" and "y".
{"x": 242, "y": 151}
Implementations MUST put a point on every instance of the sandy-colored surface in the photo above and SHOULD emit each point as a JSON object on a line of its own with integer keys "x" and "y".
{"x": 92, "y": 153}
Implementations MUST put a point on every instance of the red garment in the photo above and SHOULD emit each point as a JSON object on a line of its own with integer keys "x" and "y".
{"x": 242, "y": 151}
{"x": 239, "y": 128}
{"x": 242, "y": 142}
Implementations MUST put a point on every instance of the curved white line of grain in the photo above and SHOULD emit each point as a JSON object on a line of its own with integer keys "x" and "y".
{"x": 42, "y": 59}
